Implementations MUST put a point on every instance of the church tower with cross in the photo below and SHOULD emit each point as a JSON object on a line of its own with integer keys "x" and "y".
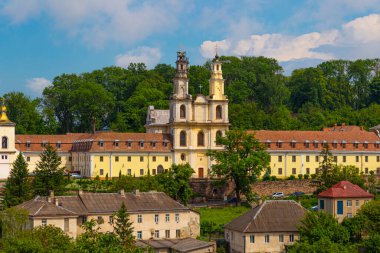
{"x": 7, "y": 148}
{"x": 195, "y": 123}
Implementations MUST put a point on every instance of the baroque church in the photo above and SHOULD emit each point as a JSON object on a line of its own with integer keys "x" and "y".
{"x": 193, "y": 123}
{"x": 184, "y": 134}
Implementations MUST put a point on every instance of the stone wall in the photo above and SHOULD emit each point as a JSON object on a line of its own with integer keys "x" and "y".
{"x": 208, "y": 189}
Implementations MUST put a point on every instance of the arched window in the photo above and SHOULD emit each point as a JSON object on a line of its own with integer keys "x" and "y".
{"x": 160, "y": 169}
{"x": 4, "y": 142}
{"x": 182, "y": 139}
{"x": 201, "y": 138}
{"x": 218, "y": 134}
{"x": 182, "y": 112}
{"x": 219, "y": 112}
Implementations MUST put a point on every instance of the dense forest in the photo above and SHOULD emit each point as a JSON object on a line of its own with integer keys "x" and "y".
{"x": 260, "y": 96}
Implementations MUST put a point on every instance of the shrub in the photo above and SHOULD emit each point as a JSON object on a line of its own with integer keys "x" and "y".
{"x": 292, "y": 177}
{"x": 299, "y": 176}
{"x": 306, "y": 176}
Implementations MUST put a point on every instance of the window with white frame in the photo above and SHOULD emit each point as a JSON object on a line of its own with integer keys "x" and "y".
{"x": 167, "y": 217}
{"x": 266, "y": 238}
{"x": 177, "y": 217}
{"x": 156, "y": 218}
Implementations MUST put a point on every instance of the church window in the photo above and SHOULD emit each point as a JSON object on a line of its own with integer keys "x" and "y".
{"x": 201, "y": 139}
{"x": 182, "y": 139}
{"x": 218, "y": 135}
{"x": 219, "y": 112}
{"x": 182, "y": 112}
{"x": 4, "y": 142}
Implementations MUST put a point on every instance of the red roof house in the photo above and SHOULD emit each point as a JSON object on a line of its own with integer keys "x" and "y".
{"x": 345, "y": 189}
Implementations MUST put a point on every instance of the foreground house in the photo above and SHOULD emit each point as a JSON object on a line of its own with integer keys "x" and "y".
{"x": 154, "y": 214}
{"x": 268, "y": 227}
{"x": 343, "y": 200}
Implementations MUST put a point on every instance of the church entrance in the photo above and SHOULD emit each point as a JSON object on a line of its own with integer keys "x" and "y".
{"x": 200, "y": 172}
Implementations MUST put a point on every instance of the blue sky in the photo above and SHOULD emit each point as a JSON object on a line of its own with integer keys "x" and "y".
{"x": 40, "y": 39}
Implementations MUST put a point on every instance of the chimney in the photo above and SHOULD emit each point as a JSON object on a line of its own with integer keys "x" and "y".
{"x": 122, "y": 193}
{"x": 136, "y": 192}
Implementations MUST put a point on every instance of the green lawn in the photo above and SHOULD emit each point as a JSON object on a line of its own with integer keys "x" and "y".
{"x": 221, "y": 216}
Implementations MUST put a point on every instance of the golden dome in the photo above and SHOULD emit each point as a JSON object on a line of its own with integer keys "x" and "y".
{"x": 3, "y": 117}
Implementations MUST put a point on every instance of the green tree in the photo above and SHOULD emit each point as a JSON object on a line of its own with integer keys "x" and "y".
{"x": 59, "y": 98}
{"x": 48, "y": 173}
{"x": 93, "y": 110}
{"x": 13, "y": 220}
{"x": 372, "y": 182}
{"x": 326, "y": 166}
{"x": 123, "y": 227}
{"x": 18, "y": 186}
{"x": 175, "y": 182}
{"x": 242, "y": 161}
{"x": 24, "y": 111}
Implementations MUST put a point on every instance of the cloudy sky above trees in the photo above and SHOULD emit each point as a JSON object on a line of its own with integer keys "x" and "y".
{"x": 40, "y": 39}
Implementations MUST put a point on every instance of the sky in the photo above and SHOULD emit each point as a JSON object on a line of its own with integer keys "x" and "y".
{"x": 41, "y": 39}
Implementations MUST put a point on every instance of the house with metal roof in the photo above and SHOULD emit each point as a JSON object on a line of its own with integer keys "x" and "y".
{"x": 267, "y": 227}
{"x": 343, "y": 199}
{"x": 154, "y": 214}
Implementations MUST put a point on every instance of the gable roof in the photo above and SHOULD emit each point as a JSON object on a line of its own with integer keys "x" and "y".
{"x": 40, "y": 207}
{"x": 271, "y": 216}
{"x": 355, "y": 139}
{"x": 99, "y": 203}
{"x": 345, "y": 189}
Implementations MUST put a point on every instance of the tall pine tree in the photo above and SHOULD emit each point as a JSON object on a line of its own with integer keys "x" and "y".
{"x": 18, "y": 186}
{"x": 48, "y": 174}
{"x": 123, "y": 227}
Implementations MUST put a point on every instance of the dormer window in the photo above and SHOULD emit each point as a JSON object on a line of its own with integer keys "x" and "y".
{"x": 356, "y": 144}
{"x": 141, "y": 144}
{"x": 377, "y": 144}
{"x": 43, "y": 144}
{"x": 153, "y": 143}
{"x": 129, "y": 143}
{"x": 344, "y": 144}
{"x": 58, "y": 145}
{"x": 324, "y": 143}
{"x": 267, "y": 143}
{"x": 307, "y": 144}
{"x": 279, "y": 144}
{"x": 27, "y": 144}
{"x": 116, "y": 143}
{"x": 316, "y": 144}
{"x": 335, "y": 144}
{"x": 101, "y": 143}
{"x": 165, "y": 143}
{"x": 293, "y": 143}
{"x": 365, "y": 144}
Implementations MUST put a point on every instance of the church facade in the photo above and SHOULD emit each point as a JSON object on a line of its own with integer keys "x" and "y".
{"x": 184, "y": 134}
{"x": 193, "y": 123}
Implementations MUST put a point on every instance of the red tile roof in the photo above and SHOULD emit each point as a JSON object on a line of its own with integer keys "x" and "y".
{"x": 345, "y": 189}
{"x": 351, "y": 138}
{"x": 91, "y": 142}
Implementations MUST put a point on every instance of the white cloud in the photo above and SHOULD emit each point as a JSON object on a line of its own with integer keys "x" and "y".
{"x": 37, "y": 84}
{"x": 208, "y": 48}
{"x": 359, "y": 35}
{"x": 148, "y": 55}
{"x": 363, "y": 30}
{"x": 97, "y": 21}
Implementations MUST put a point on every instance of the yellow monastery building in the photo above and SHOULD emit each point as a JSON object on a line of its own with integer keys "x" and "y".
{"x": 184, "y": 134}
